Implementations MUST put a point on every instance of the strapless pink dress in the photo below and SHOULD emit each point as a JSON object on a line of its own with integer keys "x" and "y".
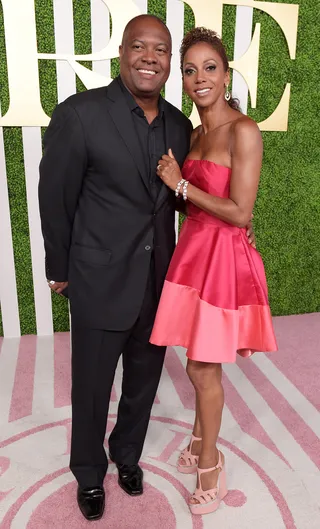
{"x": 215, "y": 298}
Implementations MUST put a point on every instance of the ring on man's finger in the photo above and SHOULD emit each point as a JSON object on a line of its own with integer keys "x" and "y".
{"x": 51, "y": 282}
{"x": 158, "y": 167}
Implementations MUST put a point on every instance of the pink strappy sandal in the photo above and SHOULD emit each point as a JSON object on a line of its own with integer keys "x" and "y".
{"x": 190, "y": 461}
{"x": 209, "y": 500}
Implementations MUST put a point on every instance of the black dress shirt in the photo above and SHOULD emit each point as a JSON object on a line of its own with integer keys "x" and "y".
{"x": 151, "y": 137}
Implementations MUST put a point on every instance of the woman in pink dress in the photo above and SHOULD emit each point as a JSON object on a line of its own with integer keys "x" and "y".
{"x": 214, "y": 301}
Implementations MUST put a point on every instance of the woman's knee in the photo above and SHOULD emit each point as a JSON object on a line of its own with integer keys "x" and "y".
{"x": 204, "y": 375}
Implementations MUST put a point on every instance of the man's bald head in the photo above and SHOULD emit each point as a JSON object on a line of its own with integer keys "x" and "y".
{"x": 143, "y": 18}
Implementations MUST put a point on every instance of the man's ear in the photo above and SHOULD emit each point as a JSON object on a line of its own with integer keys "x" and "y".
{"x": 120, "y": 51}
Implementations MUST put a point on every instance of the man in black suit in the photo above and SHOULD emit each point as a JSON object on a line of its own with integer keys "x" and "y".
{"x": 108, "y": 227}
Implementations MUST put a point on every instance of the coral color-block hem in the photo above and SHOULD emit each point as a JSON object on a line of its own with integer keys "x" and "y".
{"x": 211, "y": 334}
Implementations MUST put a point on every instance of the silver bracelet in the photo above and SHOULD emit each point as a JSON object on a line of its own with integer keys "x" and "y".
{"x": 185, "y": 190}
{"x": 177, "y": 191}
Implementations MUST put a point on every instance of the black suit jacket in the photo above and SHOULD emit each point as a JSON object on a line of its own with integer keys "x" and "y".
{"x": 99, "y": 221}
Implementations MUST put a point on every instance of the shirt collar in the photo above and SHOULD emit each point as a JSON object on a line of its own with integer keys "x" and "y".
{"x": 133, "y": 105}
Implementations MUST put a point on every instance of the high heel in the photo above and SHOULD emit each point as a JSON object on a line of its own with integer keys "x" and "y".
{"x": 190, "y": 461}
{"x": 209, "y": 500}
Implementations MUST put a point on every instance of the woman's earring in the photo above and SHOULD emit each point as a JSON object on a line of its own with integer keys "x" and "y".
{"x": 227, "y": 95}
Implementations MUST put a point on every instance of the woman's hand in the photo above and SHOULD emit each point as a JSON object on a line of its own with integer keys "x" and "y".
{"x": 250, "y": 233}
{"x": 169, "y": 171}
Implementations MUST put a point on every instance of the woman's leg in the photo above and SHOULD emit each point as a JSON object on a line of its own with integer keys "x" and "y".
{"x": 195, "y": 446}
{"x": 206, "y": 379}
{"x": 197, "y": 426}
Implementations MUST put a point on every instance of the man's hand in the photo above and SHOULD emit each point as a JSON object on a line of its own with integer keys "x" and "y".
{"x": 250, "y": 233}
{"x": 57, "y": 286}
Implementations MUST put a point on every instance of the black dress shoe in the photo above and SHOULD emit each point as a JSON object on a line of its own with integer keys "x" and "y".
{"x": 91, "y": 502}
{"x": 130, "y": 479}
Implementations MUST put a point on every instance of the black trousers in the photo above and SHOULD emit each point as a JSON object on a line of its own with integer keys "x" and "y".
{"x": 95, "y": 355}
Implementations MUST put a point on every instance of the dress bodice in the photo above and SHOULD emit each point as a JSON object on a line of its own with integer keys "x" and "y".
{"x": 211, "y": 178}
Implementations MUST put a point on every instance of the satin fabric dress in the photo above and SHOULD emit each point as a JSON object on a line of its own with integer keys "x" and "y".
{"x": 215, "y": 298}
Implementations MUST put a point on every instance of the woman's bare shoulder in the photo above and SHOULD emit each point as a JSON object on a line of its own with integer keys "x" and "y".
{"x": 245, "y": 137}
{"x": 245, "y": 126}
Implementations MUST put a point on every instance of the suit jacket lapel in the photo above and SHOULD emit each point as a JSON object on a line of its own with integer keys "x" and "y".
{"x": 121, "y": 116}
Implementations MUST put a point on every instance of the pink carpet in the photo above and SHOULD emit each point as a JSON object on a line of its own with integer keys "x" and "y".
{"x": 270, "y": 437}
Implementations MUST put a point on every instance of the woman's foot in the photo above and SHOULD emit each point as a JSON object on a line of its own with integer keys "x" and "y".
{"x": 209, "y": 480}
{"x": 211, "y": 485}
{"x": 188, "y": 460}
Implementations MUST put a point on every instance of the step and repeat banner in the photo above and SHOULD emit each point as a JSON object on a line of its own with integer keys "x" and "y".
{"x": 50, "y": 49}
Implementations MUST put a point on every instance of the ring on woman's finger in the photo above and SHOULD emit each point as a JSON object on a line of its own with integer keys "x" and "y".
{"x": 158, "y": 167}
{"x": 51, "y": 282}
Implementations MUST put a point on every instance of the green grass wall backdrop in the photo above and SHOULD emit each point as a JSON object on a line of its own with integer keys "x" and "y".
{"x": 287, "y": 212}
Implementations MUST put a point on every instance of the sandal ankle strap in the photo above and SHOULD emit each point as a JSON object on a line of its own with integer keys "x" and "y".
{"x": 218, "y": 465}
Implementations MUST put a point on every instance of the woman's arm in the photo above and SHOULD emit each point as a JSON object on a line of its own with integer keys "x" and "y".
{"x": 181, "y": 206}
{"x": 246, "y": 155}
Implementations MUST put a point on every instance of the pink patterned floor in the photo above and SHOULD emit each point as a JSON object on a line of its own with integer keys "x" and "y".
{"x": 270, "y": 436}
